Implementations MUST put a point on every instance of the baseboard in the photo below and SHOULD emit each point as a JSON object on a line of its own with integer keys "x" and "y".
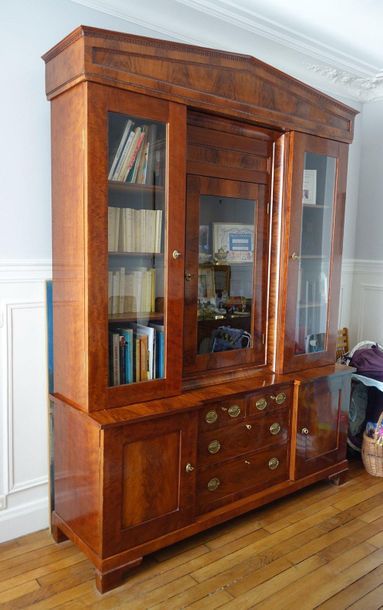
{"x": 24, "y": 519}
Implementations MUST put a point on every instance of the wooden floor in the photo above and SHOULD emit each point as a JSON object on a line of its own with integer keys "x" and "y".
{"x": 320, "y": 548}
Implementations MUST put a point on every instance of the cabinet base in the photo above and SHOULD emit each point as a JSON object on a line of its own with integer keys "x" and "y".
{"x": 339, "y": 478}
{"x": 105, "y": 581}
{"x": 57, "y": 534}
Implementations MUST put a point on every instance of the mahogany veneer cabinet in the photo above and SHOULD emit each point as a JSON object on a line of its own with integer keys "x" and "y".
{"x": 198, "y": 206}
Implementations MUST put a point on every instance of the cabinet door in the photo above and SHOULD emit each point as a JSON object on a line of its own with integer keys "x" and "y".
{"x": 322, "y": 423}
{"x": 313, "y": 249}
{"x": 226, "y": 274}
{"x": 147, "y": 489}
{"x": 135, "y": 246}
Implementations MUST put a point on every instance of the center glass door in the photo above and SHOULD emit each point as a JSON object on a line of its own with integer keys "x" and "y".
{"x": 224, "y": 274}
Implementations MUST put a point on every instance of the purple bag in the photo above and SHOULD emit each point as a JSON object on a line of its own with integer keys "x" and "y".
{"x": 369, "y": 362}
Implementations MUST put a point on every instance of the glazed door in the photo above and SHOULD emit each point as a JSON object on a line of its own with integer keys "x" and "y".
{"x": 225, "y": 274}
{"x": 314, "y": 250}
{"x": 135, "y": 246}
{"x": 322, "y": 423}
{"x": 149, "y": 480}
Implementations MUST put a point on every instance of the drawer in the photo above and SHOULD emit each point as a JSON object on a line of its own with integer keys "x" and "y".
{"x": 246, "y": 436}
{"x": 218, "y": 414}
{"x": 269, "y": 399}
{"x": 222, "y": 483}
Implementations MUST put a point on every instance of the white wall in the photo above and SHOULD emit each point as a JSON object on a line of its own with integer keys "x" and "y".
{"x": 364, "y": 310}
{"x": 28, "y": 29}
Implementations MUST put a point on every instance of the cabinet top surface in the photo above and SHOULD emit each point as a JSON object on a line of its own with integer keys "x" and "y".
{"x": 202, "y": 396}
{"x": 199, "y": 77}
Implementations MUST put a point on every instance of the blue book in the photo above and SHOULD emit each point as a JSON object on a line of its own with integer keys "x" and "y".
{"x": 127, "y": 333}
{"x": 160, "y": 353}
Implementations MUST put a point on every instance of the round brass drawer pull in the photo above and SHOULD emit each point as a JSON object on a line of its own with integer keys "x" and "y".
{"x": 279, "y": 398}
{"x": 213, "y": 484}
{"x": 189, "y": 467}
{"x": 234, "y": 411}
{"x": 273, "y": 463}
{"x": 211, "y": 417}
{"x": 275, "y": 428}
{"x": 261, "y": 404}
{"x": 305, "y": 431}
{"x": 214, "y": 446}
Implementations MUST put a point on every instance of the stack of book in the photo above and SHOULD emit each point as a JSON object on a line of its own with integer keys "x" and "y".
{"x": 132, "y": 291}
{"x": 131, "y": 230}
{"x": 139, "y": 155}
{"x": 136, "y": 353}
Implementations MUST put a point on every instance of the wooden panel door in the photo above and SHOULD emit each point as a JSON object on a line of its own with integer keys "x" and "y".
{"x": 148, "y": 485}
{"x": 311, "y": 252}
{"x": 135, "y": 246}
{"x": 322, "y": 423}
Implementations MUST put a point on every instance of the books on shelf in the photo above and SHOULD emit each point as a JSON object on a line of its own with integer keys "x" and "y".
{"x": 131, "y": 291}
{"x": 131, "y": 230}
{"x": 139, "y": 157}
{"x": 136, "y": 353}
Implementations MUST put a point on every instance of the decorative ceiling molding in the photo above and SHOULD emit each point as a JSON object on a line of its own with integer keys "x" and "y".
{"x": 366, "y": 89}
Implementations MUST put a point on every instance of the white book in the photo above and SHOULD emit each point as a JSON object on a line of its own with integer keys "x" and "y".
{"x": 148, "y": 331}
{"x": 116, "y": 238}
{"x": 120, "y": 148}
{"x": 110, "y": 291}
{"x": 124, "y": 154}
{"x": 111, "y": 247}
{"x": 121, "y": 303}
{"x": 115, "y": 292}
{"x": 158, "y": 231}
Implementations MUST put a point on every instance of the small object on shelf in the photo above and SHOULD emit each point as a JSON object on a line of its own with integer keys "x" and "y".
{"x": 309, "y": 189}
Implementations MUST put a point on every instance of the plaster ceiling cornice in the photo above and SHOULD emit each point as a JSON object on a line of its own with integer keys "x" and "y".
{"x": 333, "y": 69}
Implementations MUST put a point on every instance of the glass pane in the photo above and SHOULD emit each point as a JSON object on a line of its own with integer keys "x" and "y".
{"x": 314, "y": 261}
{"x": 226, "y": 274}
{"x": 136, "y": 237}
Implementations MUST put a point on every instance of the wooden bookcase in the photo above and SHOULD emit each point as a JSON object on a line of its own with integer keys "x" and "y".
{"x": 198, "y": 206}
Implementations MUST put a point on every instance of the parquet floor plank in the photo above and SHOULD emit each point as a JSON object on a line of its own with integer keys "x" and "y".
{"x": 319, "y": 548}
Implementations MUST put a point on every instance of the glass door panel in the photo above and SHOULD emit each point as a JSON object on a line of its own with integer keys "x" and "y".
{"x": 225, "y": 274}
{"x": 226, "y": 270}
{"x": 136, "y": 237}
{"x": 318, "y": 190}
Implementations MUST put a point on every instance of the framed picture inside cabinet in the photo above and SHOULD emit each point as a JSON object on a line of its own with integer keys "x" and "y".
{"x": 233, "y": 243}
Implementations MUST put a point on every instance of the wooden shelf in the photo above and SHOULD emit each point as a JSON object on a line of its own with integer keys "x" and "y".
{"x": 125, "y": 187}
{"x": 133, "y": 316}
{"x": 316, "y": 205}
{"x": 135, "y": 253}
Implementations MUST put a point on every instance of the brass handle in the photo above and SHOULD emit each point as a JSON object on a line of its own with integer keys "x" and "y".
{"x": 188, "y": 277}
{"x": 273, "y": 463}
{"x": 214, "y": 446}
{"x": 211, "y": 417}
{"x": 275, "y": 428}
{"x": 248, "y": 426}
{"x": 234, "y": 411}
{"x": 247, "y": 462}
{"x": 189, "y": 467}
{"x": 261, "y": 404}
{"x": 295, "y": 256}
{"x": 279, "y": 398}
{"x": 176, "y": 254}
{"x": 305, "y": 431}
{"x": 213, "y": 484}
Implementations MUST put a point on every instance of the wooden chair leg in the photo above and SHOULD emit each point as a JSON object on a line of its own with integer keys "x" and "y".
{"x": 105, "y": 581}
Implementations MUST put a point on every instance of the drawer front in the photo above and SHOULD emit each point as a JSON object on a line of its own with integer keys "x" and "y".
{"x": 218, "y": 414}
{"x": 246, "y": 436}
{"x": 274, "y": 397}
{"x": 225, "y": 482}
